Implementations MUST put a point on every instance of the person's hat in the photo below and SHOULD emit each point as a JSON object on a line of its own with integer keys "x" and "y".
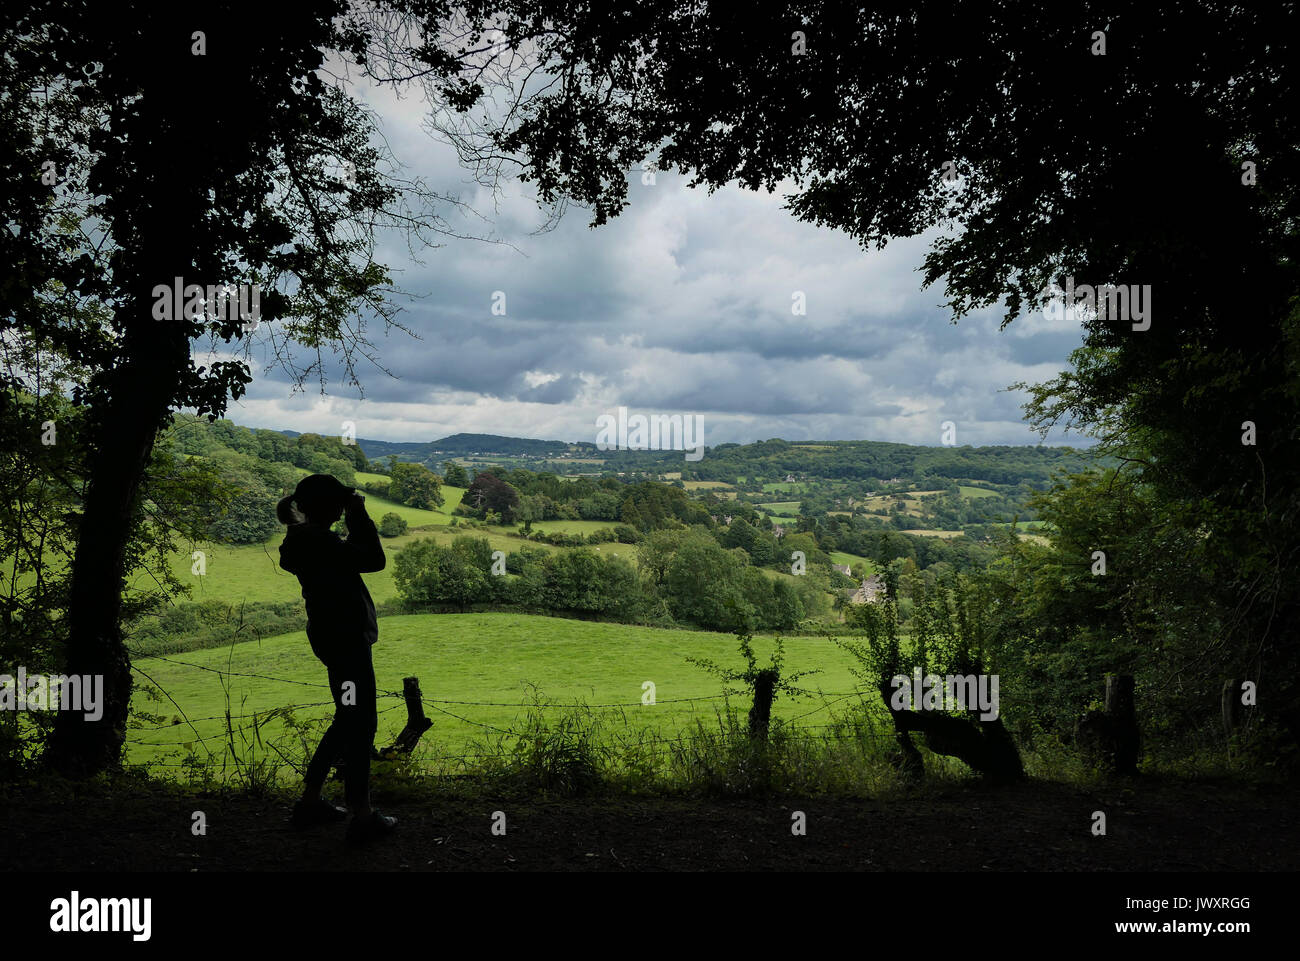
{"x": 321, "y": 489}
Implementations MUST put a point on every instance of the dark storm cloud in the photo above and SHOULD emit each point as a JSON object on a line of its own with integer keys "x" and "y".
{"x": 685, "y": 303}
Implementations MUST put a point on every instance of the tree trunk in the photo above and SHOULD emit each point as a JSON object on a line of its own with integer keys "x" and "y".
{"x": 129, "y": 404}
{"x": 985, "y": 746}
{"x": 123, "y": 440}
{"x": 1230, "y": 705}
{"x": 161, "y": 232}
{"x": 1112, "y": 736}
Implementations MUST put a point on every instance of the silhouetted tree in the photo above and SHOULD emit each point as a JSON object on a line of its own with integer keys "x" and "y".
{"x": 147, "y": 147}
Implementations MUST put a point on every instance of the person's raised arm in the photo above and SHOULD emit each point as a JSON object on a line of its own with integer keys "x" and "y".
{"x": 363, "y": 548}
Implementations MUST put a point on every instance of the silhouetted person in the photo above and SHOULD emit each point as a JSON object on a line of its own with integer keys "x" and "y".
{"x": 341, "y": 627}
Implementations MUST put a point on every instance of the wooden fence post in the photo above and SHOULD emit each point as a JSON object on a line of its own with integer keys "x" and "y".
{"x": 416, "y": 722}
{"x": 1124, "y": 735}
{"x": 760, "y": 715}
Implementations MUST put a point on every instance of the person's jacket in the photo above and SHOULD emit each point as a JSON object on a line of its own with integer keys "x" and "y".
{"x": 340, "y": 613}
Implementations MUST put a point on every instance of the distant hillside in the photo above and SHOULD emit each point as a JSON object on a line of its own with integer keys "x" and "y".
{"x": 461, "y": 445}
{"x": 772, "y": 459}
{"x": 849, "y": 459}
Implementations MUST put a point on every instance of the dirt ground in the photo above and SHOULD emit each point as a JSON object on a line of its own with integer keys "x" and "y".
{"x": 1036, "y": 826}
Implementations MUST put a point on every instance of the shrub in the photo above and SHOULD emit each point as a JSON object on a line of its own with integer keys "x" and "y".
{"x": 392, "y": 525}
{"x": 427, "y": 574}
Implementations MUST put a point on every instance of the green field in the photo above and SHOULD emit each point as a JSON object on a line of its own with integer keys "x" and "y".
{"x": 500, "y": 539}
{"x": 785, "y": 487}
{"x": 491, "y": 659}
{"x": 783, "y": 508}
{"x": 377, "y": 506}
{"x": 840, "y": 557}
{"x": 251, "y": 572}
{"x": 568, "y": 527}
{"x": 975, "y": 493}
{"x": 910, "y": 501}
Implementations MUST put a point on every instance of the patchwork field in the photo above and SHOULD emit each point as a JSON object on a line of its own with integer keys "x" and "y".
{"x": 501, "y": 540}
{"x": 840, "y": 557}
{"x": 785, "y": 487}
{"x": 911, "y": 501}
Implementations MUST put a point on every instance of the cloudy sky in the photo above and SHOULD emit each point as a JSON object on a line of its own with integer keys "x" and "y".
{"x": 683, "y": 304}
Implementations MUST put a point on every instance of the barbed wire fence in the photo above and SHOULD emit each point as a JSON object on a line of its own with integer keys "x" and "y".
{"x": 658, "y": 744}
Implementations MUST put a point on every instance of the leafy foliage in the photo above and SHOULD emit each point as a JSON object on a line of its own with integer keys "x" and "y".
{"x": 415, "y": 486}
{"x": 392, "y": 525}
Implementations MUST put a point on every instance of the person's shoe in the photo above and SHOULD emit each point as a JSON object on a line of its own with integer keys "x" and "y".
{"x": 369, "y": 828}
{"x": 307, "y": 814}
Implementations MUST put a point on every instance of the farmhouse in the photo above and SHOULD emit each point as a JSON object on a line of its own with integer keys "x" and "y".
{"x": 871, "y": 591}
{"x": 843, "y": 569}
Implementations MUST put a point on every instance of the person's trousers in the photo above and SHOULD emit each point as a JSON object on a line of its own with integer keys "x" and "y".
{"x": 352, "y": 734}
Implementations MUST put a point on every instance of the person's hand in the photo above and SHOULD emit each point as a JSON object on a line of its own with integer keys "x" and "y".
{"x": 356, "y": 502}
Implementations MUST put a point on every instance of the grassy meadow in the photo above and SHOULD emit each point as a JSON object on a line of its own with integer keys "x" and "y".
{"x": 498, "y": 661}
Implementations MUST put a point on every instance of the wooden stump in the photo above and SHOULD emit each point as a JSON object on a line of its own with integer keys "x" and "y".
{"x": 416, "y": 722}
{"x": 1112, "y": 736}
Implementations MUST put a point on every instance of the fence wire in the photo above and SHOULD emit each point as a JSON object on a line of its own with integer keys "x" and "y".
{"x": 643, "y": 742}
